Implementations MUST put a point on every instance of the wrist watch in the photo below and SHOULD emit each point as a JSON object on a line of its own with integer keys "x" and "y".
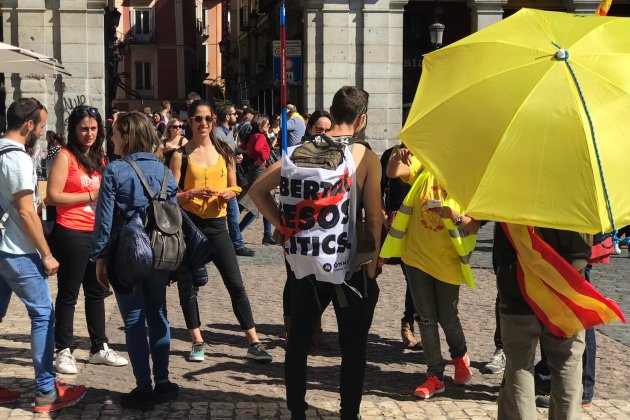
{"x": 458, "y": 220}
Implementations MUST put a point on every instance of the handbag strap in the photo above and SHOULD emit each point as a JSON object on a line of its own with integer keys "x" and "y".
{"x": 145, "y": 184}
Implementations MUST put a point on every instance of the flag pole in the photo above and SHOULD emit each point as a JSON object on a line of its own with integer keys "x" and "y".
{"x": 283, "y": 75}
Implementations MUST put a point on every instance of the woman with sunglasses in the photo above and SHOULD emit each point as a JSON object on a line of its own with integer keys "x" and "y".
{"x": 173, "y": 139}
{"x": 73, "y": 186}
{"x": 205, "y": 171}
{"x": 319, "y": 123}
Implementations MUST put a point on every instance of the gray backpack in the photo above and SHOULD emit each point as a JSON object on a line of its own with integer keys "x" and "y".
{"x": 163, "y": 224}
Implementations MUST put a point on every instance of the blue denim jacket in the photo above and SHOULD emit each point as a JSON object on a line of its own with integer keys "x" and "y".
{"x": 121, "y": 195}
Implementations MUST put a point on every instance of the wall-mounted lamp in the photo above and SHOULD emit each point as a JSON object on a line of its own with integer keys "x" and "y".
{"x": 436, "y": 31}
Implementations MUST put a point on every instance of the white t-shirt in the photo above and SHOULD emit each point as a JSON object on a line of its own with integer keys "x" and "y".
{"x": 16, "y": 174}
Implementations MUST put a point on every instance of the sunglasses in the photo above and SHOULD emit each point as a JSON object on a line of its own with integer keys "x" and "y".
{"x": 175, "y": 126}
{"x": 199, "y": 118}
{"x": 233, "y": 113}
{"x": 85, "y": 111}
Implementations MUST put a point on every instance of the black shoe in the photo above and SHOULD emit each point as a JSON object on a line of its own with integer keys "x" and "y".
{"x": 138, "y": 400}
{"x": 245, "y": 252}
{"x": 165, "y": 392}
{"x": 268, "y": 240}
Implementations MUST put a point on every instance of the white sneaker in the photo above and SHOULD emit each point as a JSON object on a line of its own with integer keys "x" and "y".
{"x": 616, "y": 249}
{"x": 65, "y": 362}
{"x": 108, "y": 357}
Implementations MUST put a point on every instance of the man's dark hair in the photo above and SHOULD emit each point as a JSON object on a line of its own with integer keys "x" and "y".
{"x": 223, "y": 112}
{"x": 23, "y": 110}
{"x": 193, "y": 96}
{"x": 348, "y": 104}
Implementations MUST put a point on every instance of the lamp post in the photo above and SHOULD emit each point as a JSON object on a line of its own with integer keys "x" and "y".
{"x": 436, "y": 30}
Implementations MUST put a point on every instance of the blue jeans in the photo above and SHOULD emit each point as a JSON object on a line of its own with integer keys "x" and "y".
{"x": 24, "y": 275}
{"x": 232, "y": 218}
{"x": 146, "y": 305}
{"x": 249, "y": 218}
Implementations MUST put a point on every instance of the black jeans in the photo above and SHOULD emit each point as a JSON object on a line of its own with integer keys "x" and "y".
{"x": 227, "y": 264}
{"x": 72, "y": 248}
{"x": 309, "y": 298}
{"x": 497, "y": 329}
{"x": 410, "y": 310}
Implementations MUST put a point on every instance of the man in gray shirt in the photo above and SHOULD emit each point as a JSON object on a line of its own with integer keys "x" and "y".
{"x": 25, "y": 257}
{"x": 226, "y": 119}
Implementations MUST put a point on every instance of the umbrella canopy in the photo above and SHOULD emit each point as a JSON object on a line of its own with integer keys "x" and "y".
{"x": 498, "y": 117}
{"x": 18, "y": 60}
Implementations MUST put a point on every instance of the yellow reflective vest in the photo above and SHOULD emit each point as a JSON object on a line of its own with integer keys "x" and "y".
{"x": 463, "y": 242}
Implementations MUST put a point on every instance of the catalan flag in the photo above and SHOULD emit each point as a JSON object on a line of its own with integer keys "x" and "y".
{"x": 557, "y": 293}
{"x": 602, "y": 9}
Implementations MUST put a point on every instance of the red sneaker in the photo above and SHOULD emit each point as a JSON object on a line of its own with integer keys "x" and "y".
{"x": 430, "y": 387}
{"x": 462, "y": 370}
{"x": 8, "y": 395}
{"x": 61, "y": 396}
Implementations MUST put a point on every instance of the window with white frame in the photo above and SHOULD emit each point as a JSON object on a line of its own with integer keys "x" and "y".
{"x": 144, "y": 78}
{"x": 142, "y": 25}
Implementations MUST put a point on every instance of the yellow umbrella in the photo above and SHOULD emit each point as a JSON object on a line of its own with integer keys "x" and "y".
{"x": 499, "y": 118}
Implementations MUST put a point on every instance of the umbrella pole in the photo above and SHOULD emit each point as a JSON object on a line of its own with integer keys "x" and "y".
{"x": 563, "y": 55}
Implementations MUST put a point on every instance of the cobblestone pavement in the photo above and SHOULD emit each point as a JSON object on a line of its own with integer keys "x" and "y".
{"x": 227, "y": 386}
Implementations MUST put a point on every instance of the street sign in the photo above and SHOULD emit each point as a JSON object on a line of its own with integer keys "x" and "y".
{"x": 293, "y": 68}
{"x": 294, "y": 48}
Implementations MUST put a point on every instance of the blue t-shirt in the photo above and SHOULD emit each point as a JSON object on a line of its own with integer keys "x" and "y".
{"x": 16, "y": 174}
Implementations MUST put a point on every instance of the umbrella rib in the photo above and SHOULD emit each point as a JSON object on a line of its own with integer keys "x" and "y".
{"x": 590, "y": 33}
{"x": 586, "y": 68}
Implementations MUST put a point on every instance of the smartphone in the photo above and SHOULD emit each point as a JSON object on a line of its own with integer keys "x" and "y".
{"x": 431, "y": 204}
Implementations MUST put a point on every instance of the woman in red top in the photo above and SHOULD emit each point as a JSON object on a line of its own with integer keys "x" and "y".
{"x": 259, "y": 152}
{"x": 73, "y": 185}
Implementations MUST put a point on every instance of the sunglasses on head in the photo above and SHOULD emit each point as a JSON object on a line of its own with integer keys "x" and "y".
{"x": 199, "y": 118}
{"x": 84, "y": 111}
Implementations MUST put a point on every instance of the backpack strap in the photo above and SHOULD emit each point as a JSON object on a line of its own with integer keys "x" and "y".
{"x": 11, "y": 149}
{"x": 143, "y": 180}
{"x": 163, "y": 195}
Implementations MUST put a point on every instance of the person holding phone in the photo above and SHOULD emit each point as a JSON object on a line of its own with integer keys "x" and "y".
{"x": 434, "y": 270}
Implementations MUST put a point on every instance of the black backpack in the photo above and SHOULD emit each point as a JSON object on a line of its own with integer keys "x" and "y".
{"x": 163, "y": 224}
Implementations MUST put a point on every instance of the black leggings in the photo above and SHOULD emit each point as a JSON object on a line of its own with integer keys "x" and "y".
{"x": 72, "y": 248}
{"x": 225, "y": 260}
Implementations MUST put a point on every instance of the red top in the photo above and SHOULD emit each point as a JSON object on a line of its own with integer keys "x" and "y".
{"x": 258, "y": 149}
{"x": 78, "y": 216}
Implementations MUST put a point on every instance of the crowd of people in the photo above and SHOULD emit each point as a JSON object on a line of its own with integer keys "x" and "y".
{"x": 226, "y": 170}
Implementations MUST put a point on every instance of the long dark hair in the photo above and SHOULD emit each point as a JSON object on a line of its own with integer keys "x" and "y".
{"x": 224, "y": 150}
{"x": 94, "y": 160}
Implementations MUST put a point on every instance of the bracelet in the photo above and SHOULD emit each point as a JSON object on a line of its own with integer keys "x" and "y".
{"x": 90, "y": 195}
{"x": 47, "y": 257}
{"x": 458, "y": 220}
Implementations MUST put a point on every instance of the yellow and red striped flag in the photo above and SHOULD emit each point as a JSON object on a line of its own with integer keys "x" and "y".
{"x": 602, "y": 9}
{"x": 557, "y": 293}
